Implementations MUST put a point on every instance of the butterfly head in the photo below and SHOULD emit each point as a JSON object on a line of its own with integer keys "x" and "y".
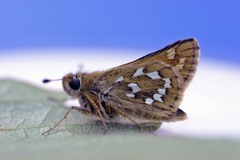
{"x": 71, "y": 83}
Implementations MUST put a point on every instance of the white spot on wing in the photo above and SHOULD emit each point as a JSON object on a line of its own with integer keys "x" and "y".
{"x": 154, "y": 75}
{"x": 149, "y": 101}
{"x": 134, "y": 87}
{"x": 138, "y": 72}
{"x": 167, "y": 83}
{"x": 162, "y": 91}
{"x": 130, "y": 95}
{"x": 157, "y": 97}
{"x": 119, "y": 79}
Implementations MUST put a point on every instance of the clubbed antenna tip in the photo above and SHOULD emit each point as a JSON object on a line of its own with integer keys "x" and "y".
{"x": 50, "y": 80}
{"x": 46, "y": 80}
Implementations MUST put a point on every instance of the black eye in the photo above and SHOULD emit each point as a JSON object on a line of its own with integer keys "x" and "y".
{"x": 75, "y": 83}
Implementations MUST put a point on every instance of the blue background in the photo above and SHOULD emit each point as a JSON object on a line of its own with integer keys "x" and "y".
{"x": 122, "y": 24}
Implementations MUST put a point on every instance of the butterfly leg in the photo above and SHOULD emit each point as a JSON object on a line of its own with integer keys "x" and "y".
{"x": 117, "y": 107}
{"x": 83, "y": 110}
{"x": 94, "y": 102}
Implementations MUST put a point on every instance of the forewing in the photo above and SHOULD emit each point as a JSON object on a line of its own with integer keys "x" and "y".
{"x": 183, "y": 55}
{"x": 154, "y": 84}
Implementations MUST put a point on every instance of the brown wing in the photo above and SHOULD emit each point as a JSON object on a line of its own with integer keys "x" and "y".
{"x": 146, "y": 90}
{"x": 152, "y": 86}
{"x": 183, "y": 54}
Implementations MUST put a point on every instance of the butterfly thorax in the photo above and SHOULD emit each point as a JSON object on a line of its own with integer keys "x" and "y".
{"x": 83, "y": 87}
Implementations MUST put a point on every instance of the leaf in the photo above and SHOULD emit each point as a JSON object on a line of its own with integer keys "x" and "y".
{"x": 27, "y": 111}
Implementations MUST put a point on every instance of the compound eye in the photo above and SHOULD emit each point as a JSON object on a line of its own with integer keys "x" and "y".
{"x": 75, "y": 83}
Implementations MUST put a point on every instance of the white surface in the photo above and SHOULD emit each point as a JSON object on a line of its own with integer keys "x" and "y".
{"x": 211, "y": 100}
{"x": 212, "y": 103}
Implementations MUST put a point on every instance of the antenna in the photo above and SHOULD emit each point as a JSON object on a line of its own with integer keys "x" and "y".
{"x": 50, "y": 80}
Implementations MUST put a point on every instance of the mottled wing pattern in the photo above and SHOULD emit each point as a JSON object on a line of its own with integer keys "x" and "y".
{"x": 183, "y": 55}
{"x": 151, "y": 90}
{"x": 152, "y": 87}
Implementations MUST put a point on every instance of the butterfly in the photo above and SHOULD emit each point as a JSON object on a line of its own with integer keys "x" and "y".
{"x": 149, "y": 89}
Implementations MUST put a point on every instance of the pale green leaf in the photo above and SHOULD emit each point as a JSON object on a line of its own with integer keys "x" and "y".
{"x": 27, "y": 111}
